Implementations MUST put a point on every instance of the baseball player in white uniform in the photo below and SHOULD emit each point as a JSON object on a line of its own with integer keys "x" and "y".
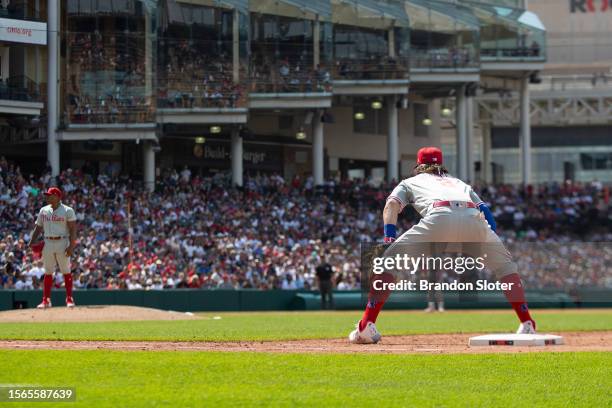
{"x": 57, "y": 223}
{"x": 452, "y": 213}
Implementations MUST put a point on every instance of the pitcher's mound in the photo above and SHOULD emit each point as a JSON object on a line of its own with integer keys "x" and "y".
{"x": 91, "y": 314}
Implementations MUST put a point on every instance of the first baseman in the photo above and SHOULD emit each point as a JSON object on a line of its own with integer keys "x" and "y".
{"x": 451, "y": 212}
{"x": 57, "y": 222}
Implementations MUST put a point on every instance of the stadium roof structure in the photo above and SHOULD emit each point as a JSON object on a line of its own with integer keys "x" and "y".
{"x": 370, "y": 13}
{"x": 456, "y": 10}
{"x": 240, "y": 5}
{"x": 322, "y": 8}
{"x": 435, "y": 16}
{"x": 308, "y": 9}
{"x": 513, "y": 16}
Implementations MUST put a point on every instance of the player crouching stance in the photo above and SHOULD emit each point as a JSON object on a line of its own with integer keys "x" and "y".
{"x": 451, "y": 212}
{"x": 58, "y": 223}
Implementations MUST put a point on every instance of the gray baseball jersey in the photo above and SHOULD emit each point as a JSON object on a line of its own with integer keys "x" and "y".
{"x": 55, "y": 222}
{"x": 464, "y": 226}
{"x": 423, "y": 190}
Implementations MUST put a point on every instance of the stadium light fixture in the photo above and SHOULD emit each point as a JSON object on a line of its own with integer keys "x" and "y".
{"x": 446, "y": 112}
{"x": 200, "y": 140}
{"x": 359, "y": 116}
{"x": 215, "y": 129}
{"x": 377, "y": 105}
{"x": 427, "y": 121}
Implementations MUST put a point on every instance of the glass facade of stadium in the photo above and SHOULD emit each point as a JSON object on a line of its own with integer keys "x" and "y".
{"x": 328, "y": 88}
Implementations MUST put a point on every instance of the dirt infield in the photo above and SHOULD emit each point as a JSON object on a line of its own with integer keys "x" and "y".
{"x": 417, "y": 344}
{"x": 90, "y": 314}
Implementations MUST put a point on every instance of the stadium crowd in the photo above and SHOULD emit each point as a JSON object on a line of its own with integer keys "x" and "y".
{"x": 200, "y": 232}
{"x": 191, "y": 76}
{"x": 106, "y": 79}
{"x": 267, "y": 74}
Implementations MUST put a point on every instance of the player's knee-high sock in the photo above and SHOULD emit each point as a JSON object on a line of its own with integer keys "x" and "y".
{"x": 47, "y": 283}
{"x": 376, "y": 300}
{"x": 68, "y": 284}
{"x": 516, "y": 296}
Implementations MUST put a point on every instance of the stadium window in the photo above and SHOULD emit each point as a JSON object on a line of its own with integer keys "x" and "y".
{"x": 374, "y": 122}
{"x": 596, "y": 161}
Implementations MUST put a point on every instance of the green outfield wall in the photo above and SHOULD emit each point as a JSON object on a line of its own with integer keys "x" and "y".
{"x": 253, "y": 300}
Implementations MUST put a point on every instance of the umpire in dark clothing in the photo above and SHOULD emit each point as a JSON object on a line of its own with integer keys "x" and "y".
{"x": 325, "y": 273}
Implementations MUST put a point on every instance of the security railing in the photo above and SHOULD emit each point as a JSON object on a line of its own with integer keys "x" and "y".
{"x": 443, "y": 58}
{"x": 202, "y": 91}
{"x": 94, "y": 102}
{"x": 20, "y": 88}
{"x": 280, "y": 79}
{"x": 292, "y": 71}
{"x": 228, "y": 97}
{"x": 382, "y": 68}
{"x": 533, "y": 52}
{"x": 98, "y": 114}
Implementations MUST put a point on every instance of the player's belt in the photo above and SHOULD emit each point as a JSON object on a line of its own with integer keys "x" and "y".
{"x": 55, "y": 238}
{"x": 454, "y": 204}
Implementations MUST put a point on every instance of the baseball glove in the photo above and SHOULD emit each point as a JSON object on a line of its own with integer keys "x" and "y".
{"x": 37, "y": 249}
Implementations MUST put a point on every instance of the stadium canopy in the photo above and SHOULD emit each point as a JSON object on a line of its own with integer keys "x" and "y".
{"x": 439, "y": 17}
{"x": 377, "y": 14}
{"x": 442, "y": 32}
{"x": 513, "y": 17}
{"x": 306, "y": 9}
{"x": 508, "y": 32}
{"x": 241, "y": 5}
{"x": 516, "y": 16}
{"x": 461, "y": 13}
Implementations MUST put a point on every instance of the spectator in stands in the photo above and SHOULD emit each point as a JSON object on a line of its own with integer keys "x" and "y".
{"x": 271, "y": 233}
{"x": 325, "y": 275}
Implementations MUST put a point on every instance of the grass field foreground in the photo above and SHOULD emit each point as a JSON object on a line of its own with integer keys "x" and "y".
{"x": 304, "y": 325}
{"x": 111, "y": 379}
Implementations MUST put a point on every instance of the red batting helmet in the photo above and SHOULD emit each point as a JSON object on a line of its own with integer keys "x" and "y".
{"x": 429, "y": 155}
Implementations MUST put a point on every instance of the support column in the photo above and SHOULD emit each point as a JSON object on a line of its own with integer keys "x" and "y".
{"x": 149, "y": 165}
{"x": 485, "y": 168}
{"x": 469, "y": 136}
{"x": 236, "y": 47}
{"x": 461, "y": 114}
{"x": 316, "y": 42}
{"x": 317, "y": 149}
{"x": 435, "y": 130}
{"x": 38, "y": 70}
{"x": 525, "y": 133}
{"x": 237, "y": 154}
{"x": 391, "y": 43}
{"x": 53, "y": 147}
{"x": 149, "y": 68}
{"x": 392, "y": 140}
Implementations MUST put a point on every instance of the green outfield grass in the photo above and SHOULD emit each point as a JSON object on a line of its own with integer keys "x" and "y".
{"x": 185, "y": 379}
{"x": 105, "y": 378}
{"x": 303, "y": 325}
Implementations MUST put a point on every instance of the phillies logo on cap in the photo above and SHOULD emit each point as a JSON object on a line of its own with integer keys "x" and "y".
{"x": 53, "y": 191}
{"x": 429, "y": 155}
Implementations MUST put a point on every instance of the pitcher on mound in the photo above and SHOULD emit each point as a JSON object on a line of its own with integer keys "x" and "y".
{"x": 452, "y": 213}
